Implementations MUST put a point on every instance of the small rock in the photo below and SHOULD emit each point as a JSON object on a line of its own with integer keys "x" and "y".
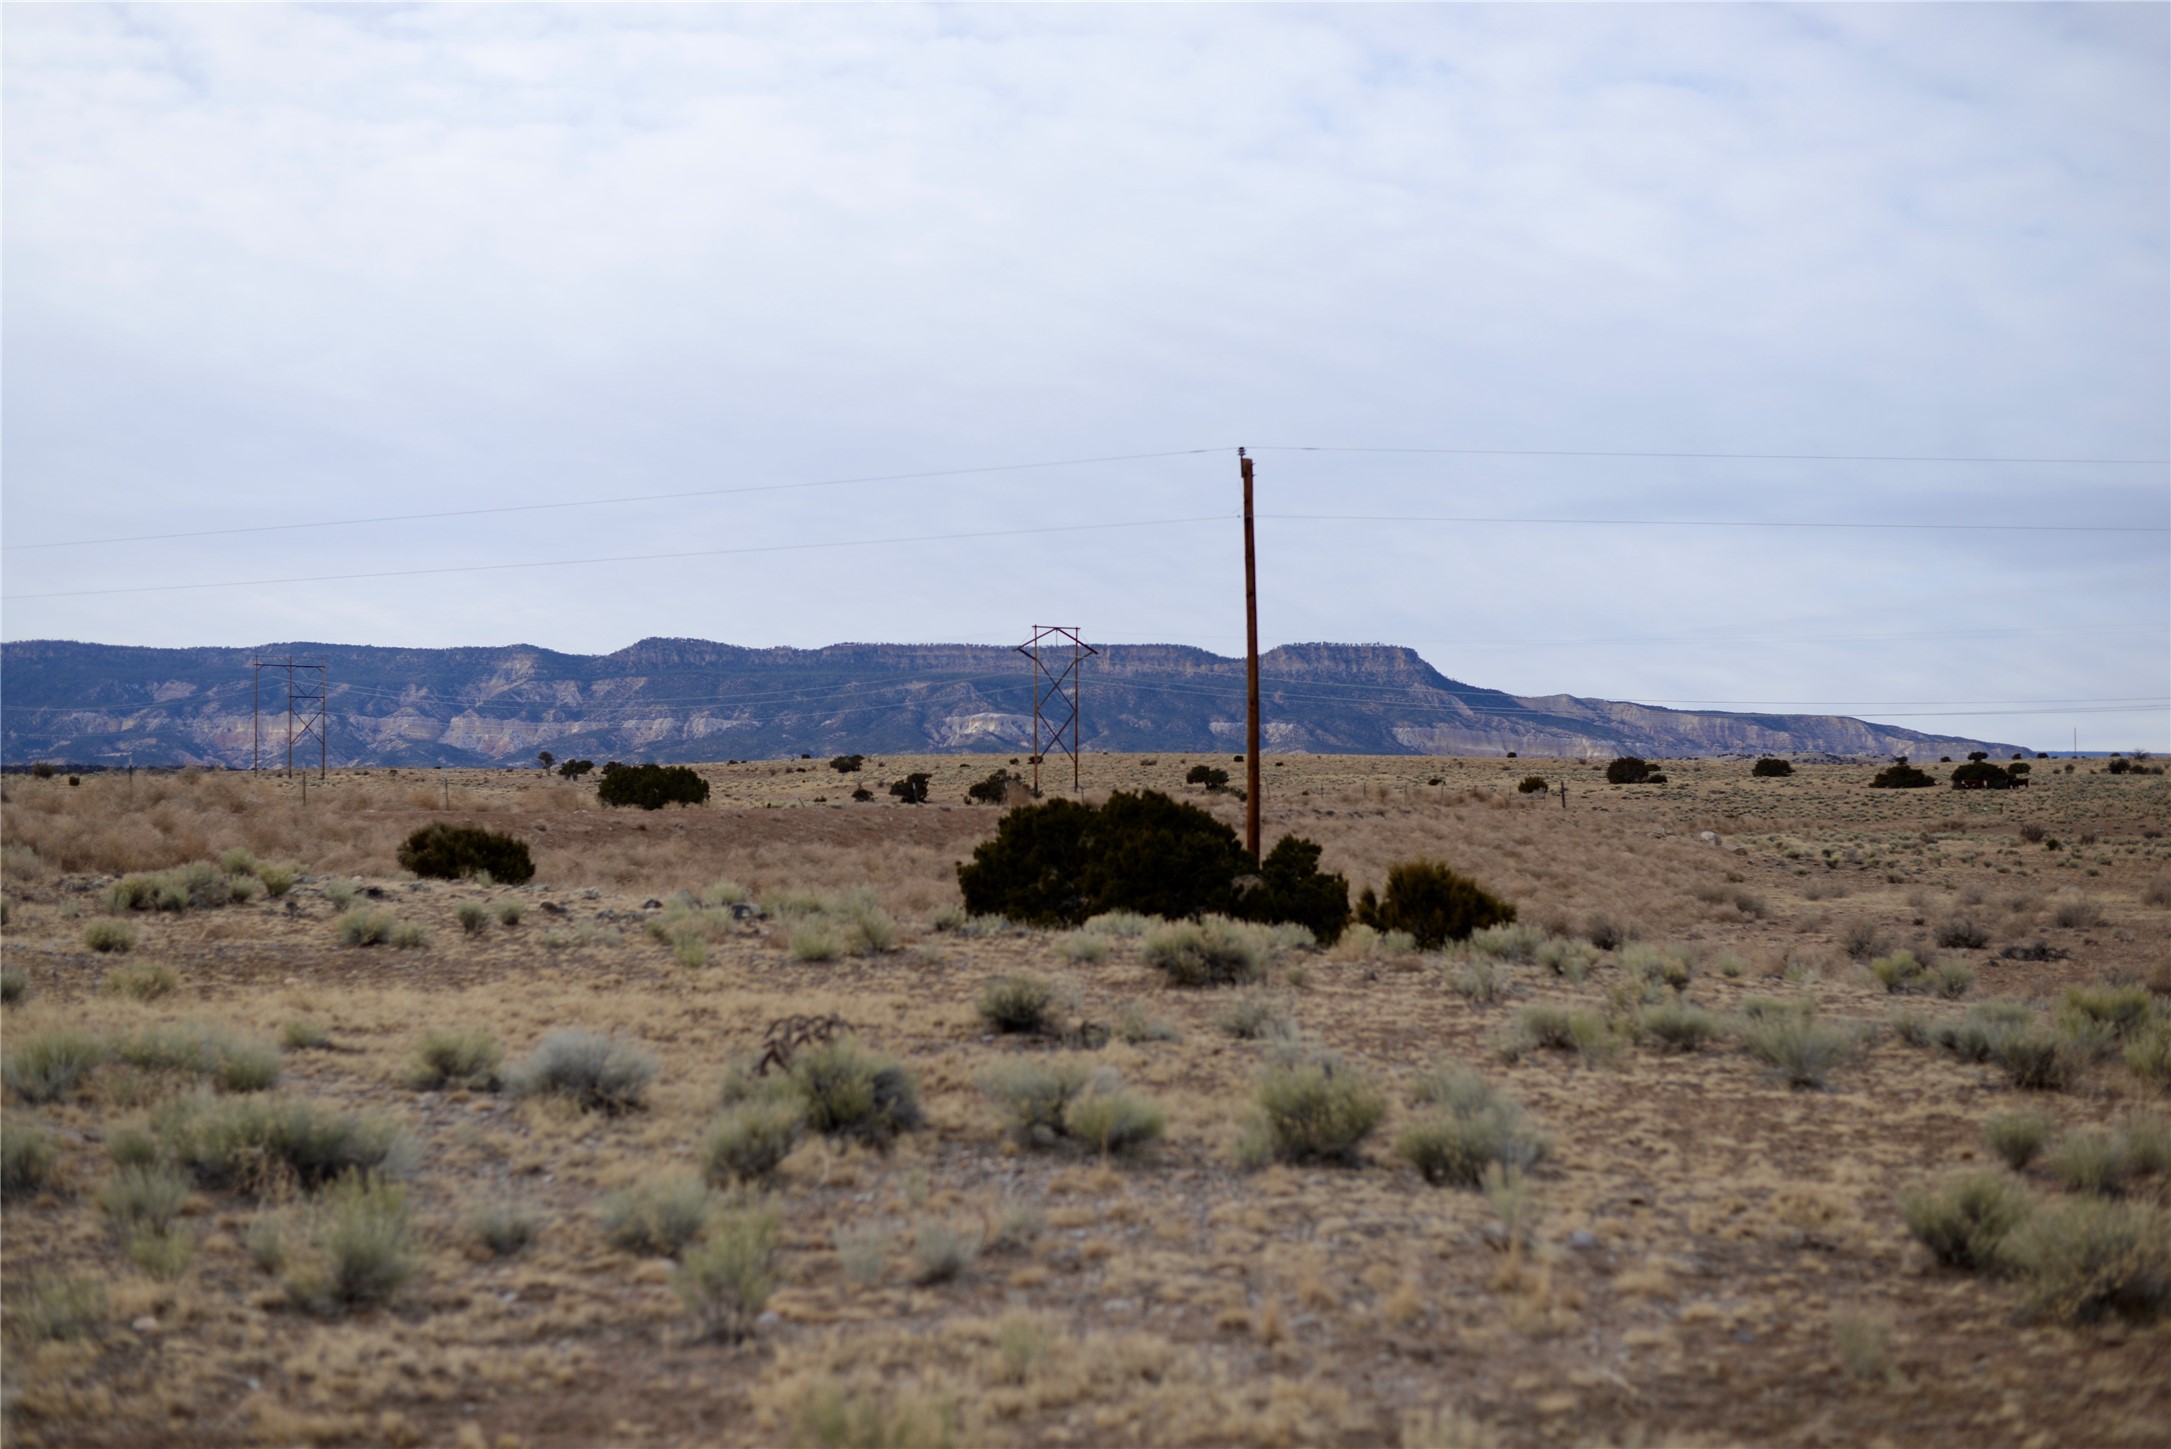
{"x": 1708, "y": 837}
{"x": 652, "y": 905}
{"x": 768, "y": 1319}
{"x": 1581, "y": 1239}
{"x": 145, "y": 1324}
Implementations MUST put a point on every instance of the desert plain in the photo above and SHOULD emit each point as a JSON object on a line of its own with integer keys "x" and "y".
{"x": 1707, "y": 1251}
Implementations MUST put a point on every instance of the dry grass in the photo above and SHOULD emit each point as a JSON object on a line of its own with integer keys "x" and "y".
{"x": 1731, "y": 1247}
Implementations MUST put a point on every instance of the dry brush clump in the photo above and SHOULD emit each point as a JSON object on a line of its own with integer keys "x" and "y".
{"x": 1466, "y": 1130}
{"x": 1316, "y": 1110}
{"x": 1046, "y": 1103}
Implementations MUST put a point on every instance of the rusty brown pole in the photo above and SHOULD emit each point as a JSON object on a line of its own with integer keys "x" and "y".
{"x": 1251, "y": 672}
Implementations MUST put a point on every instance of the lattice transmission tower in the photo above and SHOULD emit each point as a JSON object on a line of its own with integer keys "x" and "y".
{"x": 1058, "y": 656}
{"x": 306, "y": 717}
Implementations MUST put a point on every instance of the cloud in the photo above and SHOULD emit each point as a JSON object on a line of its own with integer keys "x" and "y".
{"x": 268, "y": 264}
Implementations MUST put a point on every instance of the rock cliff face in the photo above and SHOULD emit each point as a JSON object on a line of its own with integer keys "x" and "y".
{"x": 690, "y": 699}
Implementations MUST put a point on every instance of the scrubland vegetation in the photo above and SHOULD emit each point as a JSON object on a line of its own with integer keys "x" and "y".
{"x": 1725, "y": 1105}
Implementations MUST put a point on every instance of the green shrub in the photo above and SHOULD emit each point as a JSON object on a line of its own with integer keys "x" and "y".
{"x": 510, "y": 911}
{"x": 164, "y": 1254}
{"x": 200, "y": 883}
{"x": 27, "y": 1158}
{"x": 442, "y": 851}
{"x": 1770, "y": 768}
{"x": 143, "y": 1199}
{"x": 1550, "y": 1027}
{"x": 2145, "y": 1142}
{"x": 133, "y": 1145}
{"x": 2036, "y": 1059}
{"x": 49, "y": 1065}
{"x": 1901, "y": 777}
{"x": 1433, "y": 903}
{"x": 53, "y": 1310}
{"x": 1803, "y": 1050}
{"x": 995, "y": 788}
{"x": 1066, "y": 1100}
{"x": 726, "y": 1279}
{"x": 340, "y": 893}
{"x": 1899, "y": 972}
{"x": 748, "y": 1141}
{"x": 109, "y": 936}
{"x": 1469, "y": 1129}
{"x": 408, "y": 936}
{"x": 850, "y": 1092}
{"x": 1965, "y": 1221}
{"x": 1628, "y": 770}
{"x": 447, "y": 1058}
{"x": 656, "y": 1218}
{"x": 2017, "y": 1136}
{"x": 364, "y": 1251}
{"x": 473, "y": 916}
{"x": 912, "y": 789}
{"x": 1676, "y": 1026}
{"x": 1256, "y": 1018}
{"x": 1317, "y": 1111}
{"x": 1533, "y": 785}
{"x": 847, "y": 764}
{"x": 1508, "y": 942}
{"x": 1210, "y": 952}
{"x": 1294, "y": 890}
{"x": 236, "y": 1064}
{"x": 1062, "y": 862}
{"x": 141, "y": 981}
{"x": 249, "y": 1143}
{"x": 1981, "y": 775}
{"x": 1564, "y": 957}
{"x": 504, "y": 1229}
{"x": 1018, "y": 1005}
{"x": 14, "y": 985}
{"x": 305, "y": 1036}
{"x": 277, "y": 879}
{"x": 1961, "y": 933}
{"x": 651, "y": 787}
{"x": 1114, "y": 1122}
{"x": 598, "y": 1073}
{"x": 1954, "y": 979}
{"x": 2084, "y": 1260}
{"x": 941, "y": 1253}
{"x": 1210, "y": 776}
{"x": 2148, "y": 1054}
{"x": 2119, "y": 1010}
{"x": 2089, "y": 1162}
{"x": 1083, "y": 948}
{"x": 365, "y": 928}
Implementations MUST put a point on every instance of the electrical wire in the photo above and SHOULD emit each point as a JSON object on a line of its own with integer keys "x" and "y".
{"x": 624, "y": 558}
{"x": 1721, "y": 457}
{"x": 615, "y": 501}
{"x": 1716, "y": 523}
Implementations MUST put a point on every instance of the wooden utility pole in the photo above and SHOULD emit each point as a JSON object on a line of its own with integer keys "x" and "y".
{"x": 1251, "y": 671}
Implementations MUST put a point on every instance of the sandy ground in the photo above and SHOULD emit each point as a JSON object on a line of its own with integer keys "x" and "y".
{"x": 1706, "y": 1238}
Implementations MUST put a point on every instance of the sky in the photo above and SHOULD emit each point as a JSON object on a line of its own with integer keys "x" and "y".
{"x": 1609, "y": 271}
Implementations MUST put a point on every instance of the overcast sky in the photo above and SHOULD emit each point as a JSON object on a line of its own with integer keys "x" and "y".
{"x": 270, "y": 265}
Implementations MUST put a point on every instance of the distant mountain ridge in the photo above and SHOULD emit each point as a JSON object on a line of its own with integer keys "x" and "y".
{"x": 692, "y": 699}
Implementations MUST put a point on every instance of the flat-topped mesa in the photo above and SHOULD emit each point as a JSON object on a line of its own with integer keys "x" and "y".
{"x": 695, "y": 699}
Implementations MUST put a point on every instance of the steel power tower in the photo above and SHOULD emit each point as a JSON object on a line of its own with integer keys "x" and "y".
{"x": 306, "y": 716}
{"x": 1056, "y": 672}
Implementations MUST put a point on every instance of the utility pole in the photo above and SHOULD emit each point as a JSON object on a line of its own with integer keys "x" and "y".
{"x": 1251, "y": 671}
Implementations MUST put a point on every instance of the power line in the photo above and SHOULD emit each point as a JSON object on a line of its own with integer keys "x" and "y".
{"x": 623, "y": 558}
{"x": 1722, "y": 457}
{"x": 610, "y": 502}
{"x": 1714, "y": 523}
